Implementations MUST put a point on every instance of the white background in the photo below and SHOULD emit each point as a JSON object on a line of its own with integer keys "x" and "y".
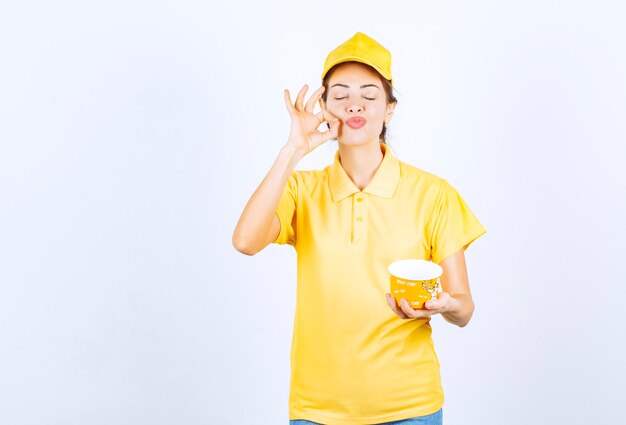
{"x": 133, "y": 133}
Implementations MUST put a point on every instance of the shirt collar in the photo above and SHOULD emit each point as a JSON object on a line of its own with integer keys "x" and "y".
{"x": 383, "y": 183}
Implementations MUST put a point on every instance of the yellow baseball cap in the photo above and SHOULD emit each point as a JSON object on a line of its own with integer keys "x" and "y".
{"x": 364, "y": 49}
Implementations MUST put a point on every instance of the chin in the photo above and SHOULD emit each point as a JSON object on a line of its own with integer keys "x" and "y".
{"x": 355, "y": 141}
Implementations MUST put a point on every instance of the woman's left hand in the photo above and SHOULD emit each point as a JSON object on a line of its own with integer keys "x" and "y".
{"x": 405, "y": 311}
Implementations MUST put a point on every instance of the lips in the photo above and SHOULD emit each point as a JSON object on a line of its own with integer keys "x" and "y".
{"x": 356, "y": 122}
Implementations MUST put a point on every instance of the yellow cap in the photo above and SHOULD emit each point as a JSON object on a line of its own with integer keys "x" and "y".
{"x": 361, "y": 48}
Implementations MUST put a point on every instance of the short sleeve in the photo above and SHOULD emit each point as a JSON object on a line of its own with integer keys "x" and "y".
{"x": 286, "y": 212}
{"x": 454, "y": 225}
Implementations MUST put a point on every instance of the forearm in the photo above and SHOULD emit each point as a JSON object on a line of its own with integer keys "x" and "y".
{"x": 460, "y": 310}
{"x": 251, "y": 232}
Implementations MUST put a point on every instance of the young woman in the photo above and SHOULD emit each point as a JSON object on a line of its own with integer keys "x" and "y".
{"x": 358, "y": 355}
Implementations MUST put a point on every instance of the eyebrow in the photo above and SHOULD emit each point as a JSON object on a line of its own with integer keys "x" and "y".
{"x": 347, "y": 86}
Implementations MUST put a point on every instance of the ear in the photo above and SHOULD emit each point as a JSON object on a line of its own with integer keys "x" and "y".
{"x": 390, "y": 108}
{"x": 322, "y": 103}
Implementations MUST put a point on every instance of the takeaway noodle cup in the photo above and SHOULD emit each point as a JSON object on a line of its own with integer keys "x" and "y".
{"x": 415, "y": 280}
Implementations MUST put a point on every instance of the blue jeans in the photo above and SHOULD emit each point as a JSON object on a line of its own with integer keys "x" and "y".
{"x": 434, "y": 419}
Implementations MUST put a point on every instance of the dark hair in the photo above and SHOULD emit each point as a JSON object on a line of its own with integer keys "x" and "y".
{"x": 386, "y": 86}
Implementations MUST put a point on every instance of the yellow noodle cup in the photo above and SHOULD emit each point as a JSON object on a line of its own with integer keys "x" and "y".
{"x": 415, "y": 280}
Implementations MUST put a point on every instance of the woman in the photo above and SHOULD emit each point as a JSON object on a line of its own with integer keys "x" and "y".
{"x": 355, "y": 360}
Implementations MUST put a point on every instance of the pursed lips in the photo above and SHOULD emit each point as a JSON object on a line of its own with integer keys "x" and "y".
{"x": 356, "y": 122}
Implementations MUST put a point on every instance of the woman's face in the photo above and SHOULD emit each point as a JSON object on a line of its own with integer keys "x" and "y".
{"x": 356, "y": 96}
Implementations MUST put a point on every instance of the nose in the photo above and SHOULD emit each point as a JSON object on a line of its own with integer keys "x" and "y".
{"x": 355, "y": 108}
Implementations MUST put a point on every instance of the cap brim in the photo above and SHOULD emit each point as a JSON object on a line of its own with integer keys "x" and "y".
{"x": 357, "y": 59}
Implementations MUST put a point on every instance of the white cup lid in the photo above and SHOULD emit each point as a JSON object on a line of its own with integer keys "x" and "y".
{"x": 415, "y": 269}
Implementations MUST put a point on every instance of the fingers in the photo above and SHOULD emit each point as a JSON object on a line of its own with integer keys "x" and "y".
{"x": 442, "y": 301}
{"x": 313, "y": 100}
{"x": 324, "y": 115}
{"x": 300, "y": 98}
{"x": 411, "y": 312}
{"x": 391, "y": 301}
{"x": 405, "y": 311}
{"x": 303, "y": 113}
{"x": 320, "y": 116}
{"x": 299, "y": 104}
{"x": 288, "y": 103}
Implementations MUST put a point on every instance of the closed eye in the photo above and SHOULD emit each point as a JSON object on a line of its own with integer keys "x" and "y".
{"x": 368, "y": 98}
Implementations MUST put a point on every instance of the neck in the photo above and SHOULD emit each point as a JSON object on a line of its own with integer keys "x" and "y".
{"x": 360, "y": 162}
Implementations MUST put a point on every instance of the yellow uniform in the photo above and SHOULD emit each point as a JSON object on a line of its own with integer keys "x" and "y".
{"x": 353, "y": 360}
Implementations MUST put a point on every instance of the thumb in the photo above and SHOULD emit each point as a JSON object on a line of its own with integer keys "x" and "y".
{"x": 442, "y": 300}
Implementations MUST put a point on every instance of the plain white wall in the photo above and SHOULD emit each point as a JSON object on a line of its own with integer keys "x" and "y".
{"x": 132, "y": 133}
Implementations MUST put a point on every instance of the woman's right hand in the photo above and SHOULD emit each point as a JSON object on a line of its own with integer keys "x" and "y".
{"x": 304, "y": 135}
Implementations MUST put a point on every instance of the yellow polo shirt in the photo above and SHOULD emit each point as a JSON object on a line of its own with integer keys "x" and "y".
{"x": 353, "y": 360}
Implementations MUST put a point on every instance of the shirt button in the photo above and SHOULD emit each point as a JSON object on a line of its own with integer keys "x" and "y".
{"x": 359, "y": 199}
{"x": 359, "y": 219}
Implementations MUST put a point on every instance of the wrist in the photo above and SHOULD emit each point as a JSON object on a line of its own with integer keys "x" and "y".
{"x": 459, "y": 310}
{"x": 452, "y": 306}
{"x": 292, "y": 152}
